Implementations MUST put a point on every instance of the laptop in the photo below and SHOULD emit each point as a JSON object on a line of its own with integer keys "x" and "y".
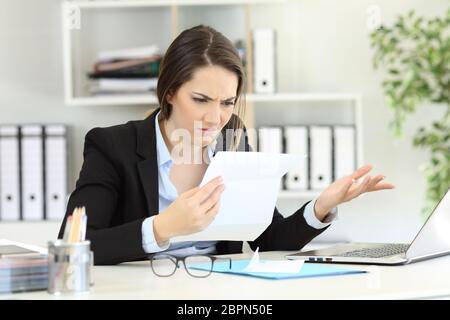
{"x": 433, "y": 240}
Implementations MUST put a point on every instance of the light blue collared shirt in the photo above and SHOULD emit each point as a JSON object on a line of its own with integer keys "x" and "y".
{"x": 168, "y": 193}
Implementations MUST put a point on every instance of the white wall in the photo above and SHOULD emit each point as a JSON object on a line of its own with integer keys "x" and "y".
{"x": 323, "y": 45}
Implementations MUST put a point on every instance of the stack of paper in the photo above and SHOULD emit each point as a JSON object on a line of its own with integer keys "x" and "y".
{"x": 133, "y": 70}
{"x": 23, "y": 274}
{"x": 127, "y": 53}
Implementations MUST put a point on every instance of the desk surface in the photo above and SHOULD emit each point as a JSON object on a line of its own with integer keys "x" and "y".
{"x": 427, "y": 279}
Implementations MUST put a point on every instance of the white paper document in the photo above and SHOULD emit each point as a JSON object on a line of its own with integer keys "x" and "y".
{"x": 269, "y": 266}
{"x": 252, "y": 182}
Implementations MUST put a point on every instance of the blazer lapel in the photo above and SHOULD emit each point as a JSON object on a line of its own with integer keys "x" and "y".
{"x": 148, "y": 166}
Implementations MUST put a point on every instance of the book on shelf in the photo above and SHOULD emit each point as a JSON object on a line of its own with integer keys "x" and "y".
{"x": 102, "y": 86}
{"x": 129, "y": 53}
{"x": 148, "y": 69}
{"x": 120, "y": 64}
{"x": 125, "y": 71}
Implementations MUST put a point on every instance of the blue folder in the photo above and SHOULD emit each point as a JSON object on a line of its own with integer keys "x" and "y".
{"x": 307, "y": 271}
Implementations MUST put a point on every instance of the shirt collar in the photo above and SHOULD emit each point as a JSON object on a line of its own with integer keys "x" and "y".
{"x": 161, "y": 147}
{"x": 163, "y": 153}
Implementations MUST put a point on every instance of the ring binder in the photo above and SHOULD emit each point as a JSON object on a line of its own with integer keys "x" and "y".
{"x": 55, "y": 170}
{"x": 9, "y": 173}
{"x": 321, "y": 157}
{"x": 32, "y": 172}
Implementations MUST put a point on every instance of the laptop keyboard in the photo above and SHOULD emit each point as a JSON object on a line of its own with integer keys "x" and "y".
{"x": 377, "y": 252}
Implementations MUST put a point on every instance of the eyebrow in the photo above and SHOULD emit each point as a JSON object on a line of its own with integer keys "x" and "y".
{"x": 208, "y": 98}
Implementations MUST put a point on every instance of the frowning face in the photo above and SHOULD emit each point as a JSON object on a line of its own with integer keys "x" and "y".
{"x": 203, "y": 105}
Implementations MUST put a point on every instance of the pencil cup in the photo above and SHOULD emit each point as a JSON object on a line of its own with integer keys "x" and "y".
{"x": 69, "y": 267}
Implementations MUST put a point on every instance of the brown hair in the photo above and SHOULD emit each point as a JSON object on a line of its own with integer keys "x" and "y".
{"x": 194, "y": 48}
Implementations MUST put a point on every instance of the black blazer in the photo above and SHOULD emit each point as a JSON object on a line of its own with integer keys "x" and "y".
{"x": 118, "y": 185}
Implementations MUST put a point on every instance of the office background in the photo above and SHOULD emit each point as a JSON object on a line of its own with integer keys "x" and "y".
{"x": 322, "y": 46}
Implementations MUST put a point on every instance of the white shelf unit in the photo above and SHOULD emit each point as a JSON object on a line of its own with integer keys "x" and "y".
{"x": 170, "y": 9}
{"x": 166, "y": 16}
{"x": 151, "y": 99}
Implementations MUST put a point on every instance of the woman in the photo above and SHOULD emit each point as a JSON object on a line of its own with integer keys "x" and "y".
{"x": 139, "y": 194}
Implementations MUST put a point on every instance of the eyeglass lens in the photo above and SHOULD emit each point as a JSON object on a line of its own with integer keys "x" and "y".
{"x": 193, "y": 263}
{"x": 163, "y": 265}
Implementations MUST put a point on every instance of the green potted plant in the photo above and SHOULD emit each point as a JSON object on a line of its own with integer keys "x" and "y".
{"x": 415, "y": 55}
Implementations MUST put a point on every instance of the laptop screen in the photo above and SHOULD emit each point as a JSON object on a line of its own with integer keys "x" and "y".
{"x": 434, "y": 237}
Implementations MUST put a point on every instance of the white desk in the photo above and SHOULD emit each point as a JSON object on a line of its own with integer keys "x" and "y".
{"x": 428, "y": 279}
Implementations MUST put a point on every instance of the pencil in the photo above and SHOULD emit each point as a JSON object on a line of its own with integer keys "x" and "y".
{"x": 67, "y": 228}
{"x": 74, "y": 233}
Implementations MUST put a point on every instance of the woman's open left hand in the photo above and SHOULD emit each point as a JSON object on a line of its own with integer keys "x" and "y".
{"x": 346, "y": 189}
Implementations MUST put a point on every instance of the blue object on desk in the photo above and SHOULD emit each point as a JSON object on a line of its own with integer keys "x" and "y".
{"x": 307, "y": 271}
